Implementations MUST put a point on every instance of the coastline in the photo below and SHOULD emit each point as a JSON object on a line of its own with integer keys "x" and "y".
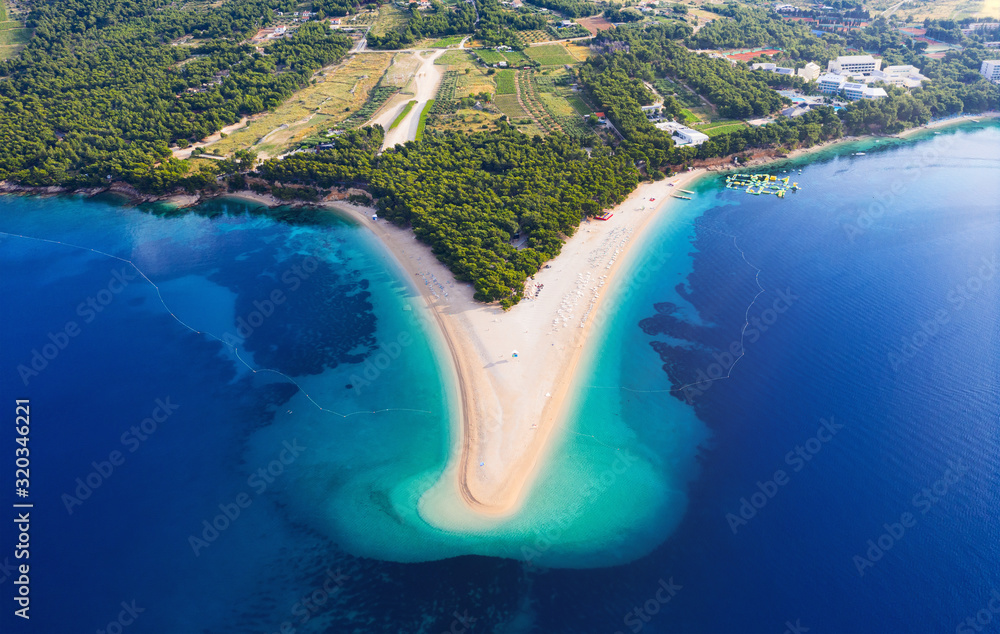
{"x": 184, "y": 200}
{"x": 511, "y": 407}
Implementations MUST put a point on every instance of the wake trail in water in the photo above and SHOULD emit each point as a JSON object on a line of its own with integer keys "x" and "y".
{"x": 233, "y": 348}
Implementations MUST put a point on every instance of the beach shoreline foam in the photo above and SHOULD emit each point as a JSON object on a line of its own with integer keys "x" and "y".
{"x": 512, "y": 407}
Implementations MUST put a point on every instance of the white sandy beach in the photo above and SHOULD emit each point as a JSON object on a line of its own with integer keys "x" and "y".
{"x": 511, "y": 407}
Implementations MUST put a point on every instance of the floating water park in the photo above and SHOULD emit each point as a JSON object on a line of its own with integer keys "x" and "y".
{"x": 758, "y": 184}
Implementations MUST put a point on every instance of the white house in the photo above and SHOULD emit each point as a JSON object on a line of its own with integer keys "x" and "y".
{"x": 683, "y": 135}
{"x": 853, "y": 65}
{"x": 774, "y": 68}
{"x": 991, "y": 70}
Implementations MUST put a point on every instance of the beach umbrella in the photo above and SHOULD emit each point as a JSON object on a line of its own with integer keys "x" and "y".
{"x": 514, "y": 354}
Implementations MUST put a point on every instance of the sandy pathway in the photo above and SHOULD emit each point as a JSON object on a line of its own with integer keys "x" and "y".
{"x": 425, "y": 83}
{"x": 210, "y": 139}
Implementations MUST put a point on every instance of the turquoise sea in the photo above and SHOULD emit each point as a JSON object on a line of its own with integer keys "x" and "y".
{"x": 235, "y": 414}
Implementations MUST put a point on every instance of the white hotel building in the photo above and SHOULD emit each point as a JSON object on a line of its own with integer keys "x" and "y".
{"x": 991, "y": 70}
{"x": 853, "y": 65}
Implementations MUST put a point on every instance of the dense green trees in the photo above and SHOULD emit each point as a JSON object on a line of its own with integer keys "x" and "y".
{"x": 350, "y": 162}
{"x": 439, "y": 22}
{"x": 616, "y": 13}
{"x": 642, "y": 54}
{"x": 569, "y": 8}
{"x": 748, "y": 27}
{"x": 467, "y": 196}
{"x": 99, "y": 93}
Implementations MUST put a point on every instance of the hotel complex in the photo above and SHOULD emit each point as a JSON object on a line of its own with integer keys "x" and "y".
{"x": 853, "y": 75}
{"x": 991, "y": 70}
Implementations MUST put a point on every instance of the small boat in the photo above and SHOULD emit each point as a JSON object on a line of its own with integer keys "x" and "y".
{"x": 681, "y": 197}
{"x": 685, "y": 191}
{"x": 859, "y": 154}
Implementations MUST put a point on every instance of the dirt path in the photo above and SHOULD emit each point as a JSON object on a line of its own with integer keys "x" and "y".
{"x": 425, "y": 81}
{"x": 210, "y": 139}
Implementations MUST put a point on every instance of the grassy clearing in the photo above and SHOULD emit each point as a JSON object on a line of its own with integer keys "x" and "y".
{"x": 445, "y": 42}
{"x": 402, "y": 115}
{"x": 464, "y": 120}
{"x": 423, "y": 119}
{"x": 688, "y": 117}
{"x": 550, "y": 54}
{"x": 721, "y": 127}
{"x": 452, "y": 58}
{"x": 390, "y": 18}
{"x": 336, "y": 94}
{"x": 505, "y": 83}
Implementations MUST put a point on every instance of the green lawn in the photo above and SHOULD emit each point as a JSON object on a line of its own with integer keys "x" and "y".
{"x": 423, "y": 119}
{"x": 549, "y": 54}
{"x": 445, "y": 42}
{"x": 688, "y": 117}
{"x": 402, "y": 115}
{"x": 720, "y": 127}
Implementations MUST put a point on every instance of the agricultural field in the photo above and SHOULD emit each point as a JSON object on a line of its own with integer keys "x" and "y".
{"x": 505, "y": 82}
{"x": 336, "y": 94}
{"x": 468, "y": 75}
{"x": 595, "y": 23}
{"x": 533, "y": 37}
{"x": 513, "y": 58}
{"x": 359, "y": 20}
{"x": 518, "y": 116}
{"x": 693, "y": 105}
{"x": 550, "y": 54}
{"x": 569, "y": 32}
{"x": 13, "y": 35}
{"x": 490, "y": 57}
{"x": 579, "y": 53}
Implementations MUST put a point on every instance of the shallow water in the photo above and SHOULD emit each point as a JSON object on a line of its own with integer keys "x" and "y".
{"x": 327, "y": 450}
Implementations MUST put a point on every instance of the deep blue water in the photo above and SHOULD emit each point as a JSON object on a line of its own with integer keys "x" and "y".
{"x": 888, "y": 330}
